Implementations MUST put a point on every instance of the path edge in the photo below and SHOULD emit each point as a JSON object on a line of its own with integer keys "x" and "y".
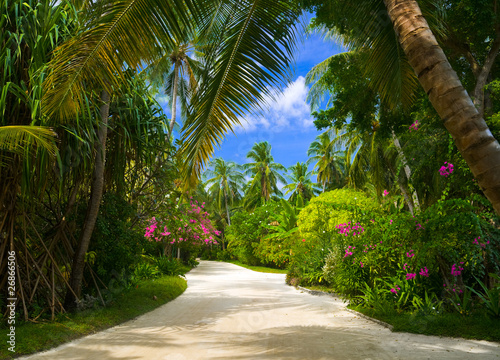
{"x": 366, "y": 317}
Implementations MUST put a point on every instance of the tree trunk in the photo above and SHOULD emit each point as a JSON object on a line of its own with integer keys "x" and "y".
{"x": 482, "y": 78}
{"x": 472, "y": 136}
{"x": 415, "y": 202}
{"x": 174, "y": 98}
{"x": 227, "y": 209}
{"x": 93, "y": 208}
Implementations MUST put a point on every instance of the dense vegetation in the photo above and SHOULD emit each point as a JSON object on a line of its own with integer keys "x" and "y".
{"x": 396, "y": 209}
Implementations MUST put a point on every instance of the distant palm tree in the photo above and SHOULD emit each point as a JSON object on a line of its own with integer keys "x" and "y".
{"x": 225, "y": 182}
{"x": 366, "y": 157}
{"x": 330, "y": 164}
{"x": 179, "y": 72}
{"x": 300, "y": 182}
{"x": 264, "y": 171}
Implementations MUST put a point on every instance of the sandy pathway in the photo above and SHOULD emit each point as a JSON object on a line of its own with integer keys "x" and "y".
{"x": 232, "y": 313}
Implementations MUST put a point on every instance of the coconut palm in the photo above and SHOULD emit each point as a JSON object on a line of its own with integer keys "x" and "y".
{"x": 225, "y": 183}
{"x": 330, "y": 164}
{"x": 419, "y": 56}
{"x": 132, "y": 33}
{"x": 264, "y": 171}
{"x": 299, "y": 182}
{"x": 365, "y": 157}
{"x": 178, "y": 72}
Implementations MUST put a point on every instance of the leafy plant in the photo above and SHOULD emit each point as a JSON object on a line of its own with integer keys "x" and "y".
{"x": 461, "y": 301}
{"x": 490, "y": 297}
{"x": 144, "y": 271}
{"x": 428, "y": 305}
{"x": 376, "y": 297}
{"x": 168, "y": 266}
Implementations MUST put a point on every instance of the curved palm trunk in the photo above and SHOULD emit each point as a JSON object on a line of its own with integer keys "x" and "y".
{"x": 174, "y": 98}
{"x": 78, "y": 265}
{"x": 472, "y": 136}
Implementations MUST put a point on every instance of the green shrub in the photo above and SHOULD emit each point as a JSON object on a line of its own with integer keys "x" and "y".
{"x": 144, "y": 271}
{"x": 117, "y": 245}
{"x": 319, "y": 237}
{"x": 168, "y": 266}
{"x": 247, "y": 230}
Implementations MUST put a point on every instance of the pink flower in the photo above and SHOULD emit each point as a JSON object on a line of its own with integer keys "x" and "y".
{"x": 446, "y": 170}
{"x": 411, "y": 276}
{"x": 424, "y": 272}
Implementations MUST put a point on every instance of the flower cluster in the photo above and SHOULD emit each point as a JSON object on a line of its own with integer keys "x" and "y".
{"x": 456, "y": 270}
{"x": 411, "y": 276}
{"x": 446, "y": 170}
{"x": 395, "y": 290}
{"x": 385, "y": 193}
{"x": 410, "y": 254}
{"x": 348, "y": 251}
{"x": 476, "y": 241}
{"x": 348, "y": 229}
{"x": 424, "y": 272}
{"x": 414, "y": 126}
{"x": 191, "y": 227}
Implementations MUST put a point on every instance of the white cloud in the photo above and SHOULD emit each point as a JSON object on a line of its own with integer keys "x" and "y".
{"x": 282, "y": 112}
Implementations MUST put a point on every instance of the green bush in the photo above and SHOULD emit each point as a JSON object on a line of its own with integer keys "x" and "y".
{"x": 247, "y": 230}
{"x": 168, "y": 266}
{"x": 319, "y": 236}
{"x": 115, "y": 244}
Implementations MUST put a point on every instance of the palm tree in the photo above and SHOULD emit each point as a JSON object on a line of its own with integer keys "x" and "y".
{"x": 365, "y": 157}
{"x": 129, "y": 34}
{"x": 178, "y": 71}
{"x": 472, "y": 136}
{"x": 330, "y": 165}
{"x": 300, "y": 183}
{"x": 407, "y": 43}
{"x": 225, "y": 183}
{"x": 264, "y": 171}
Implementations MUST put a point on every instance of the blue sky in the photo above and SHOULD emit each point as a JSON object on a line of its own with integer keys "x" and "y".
{"x": 286, "y": 124}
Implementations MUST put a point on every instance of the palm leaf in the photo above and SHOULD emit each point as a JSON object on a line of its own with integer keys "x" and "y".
{"x": 18, "y": 138}
{"x": 252, "y": 54}
{"x": 123, "y": 34}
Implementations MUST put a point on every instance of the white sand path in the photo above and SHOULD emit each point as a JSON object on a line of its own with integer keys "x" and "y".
{"x": 232, "y": 313}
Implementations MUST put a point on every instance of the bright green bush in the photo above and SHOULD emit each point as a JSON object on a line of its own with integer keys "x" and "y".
{"x": 247, "y": 230}
{"x": 332, "y": 208}
{"x": 319, "y": 237}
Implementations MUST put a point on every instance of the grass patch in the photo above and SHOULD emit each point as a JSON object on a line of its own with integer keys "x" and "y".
{"x": 262, "y": 269}
{"x": 477, "y": 326}
{"x": 32, "y": 337}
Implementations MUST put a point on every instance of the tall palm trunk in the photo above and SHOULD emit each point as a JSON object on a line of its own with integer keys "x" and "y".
{"x": 472, "y": 136}
{"x": 78, "y": 265}
{"x": 174, "y": 97}
{"x": 227, "y": 208}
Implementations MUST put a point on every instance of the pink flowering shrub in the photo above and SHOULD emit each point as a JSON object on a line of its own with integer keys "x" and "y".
{"x": 188, "y": 227}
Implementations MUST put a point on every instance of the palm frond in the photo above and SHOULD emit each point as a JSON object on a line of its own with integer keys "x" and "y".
{"x": 120, "y": 34}
{"x": 19, "y": 139}
{"x": 253, "y": 55}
